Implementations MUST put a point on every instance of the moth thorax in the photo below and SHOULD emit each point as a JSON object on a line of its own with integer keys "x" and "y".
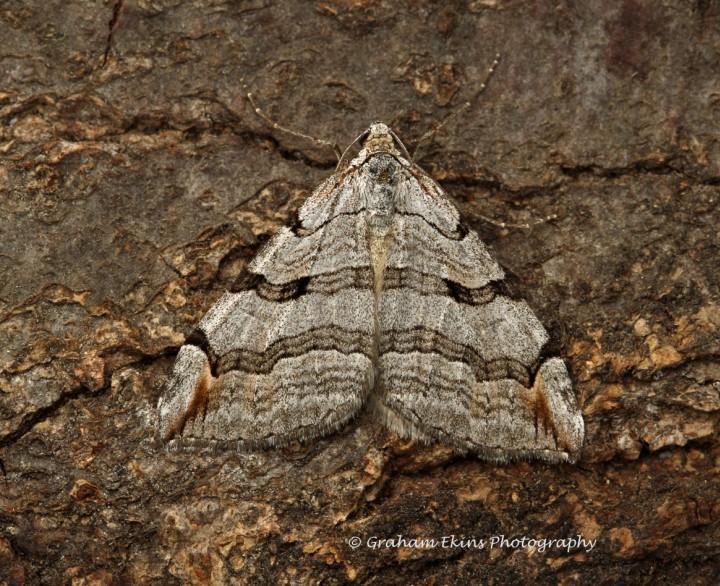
{"x": 379, "y": 139}
{"x": 380, "y": 143}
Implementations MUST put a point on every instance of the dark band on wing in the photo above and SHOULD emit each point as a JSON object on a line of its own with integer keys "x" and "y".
{"x": 199, "y": 338}
{"x": 328, "y": 283}
{"x": 427, "y": 341}
{"x": 425, "y": 284}
{"x": 325, "y": 338}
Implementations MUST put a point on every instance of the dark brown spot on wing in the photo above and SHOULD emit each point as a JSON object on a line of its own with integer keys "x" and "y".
{"x": 197, "y": 406}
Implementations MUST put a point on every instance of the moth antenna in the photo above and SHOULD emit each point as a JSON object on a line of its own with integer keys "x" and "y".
{"x": 401, "y": 145}
{"x": 276, "y": 126}
{"x": 459, "y": 110}
{"x": 525, "y": 226}
{"x": 341, "y": 159}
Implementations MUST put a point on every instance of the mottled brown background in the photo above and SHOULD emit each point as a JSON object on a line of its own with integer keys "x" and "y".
{"x": 136, "y": 183}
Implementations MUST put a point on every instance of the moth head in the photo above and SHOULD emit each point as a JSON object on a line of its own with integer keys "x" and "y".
{"x": 378, "y": 138}
{"x": 379, "y": 129}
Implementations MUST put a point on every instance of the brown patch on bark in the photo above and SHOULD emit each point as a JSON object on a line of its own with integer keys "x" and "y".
{"x": 630, "y": 37}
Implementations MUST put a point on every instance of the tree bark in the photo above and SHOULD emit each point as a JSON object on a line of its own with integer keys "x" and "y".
{"x": 136, "y": 183}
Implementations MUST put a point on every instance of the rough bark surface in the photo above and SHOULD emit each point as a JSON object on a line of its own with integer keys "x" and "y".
{"x": 136, "y": 182}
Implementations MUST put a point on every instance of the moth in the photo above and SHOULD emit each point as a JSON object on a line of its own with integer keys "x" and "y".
{"x": 377, "y": 296}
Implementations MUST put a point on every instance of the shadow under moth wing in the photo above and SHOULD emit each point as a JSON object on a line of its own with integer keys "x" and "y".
{"x": 379, "y": 295}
